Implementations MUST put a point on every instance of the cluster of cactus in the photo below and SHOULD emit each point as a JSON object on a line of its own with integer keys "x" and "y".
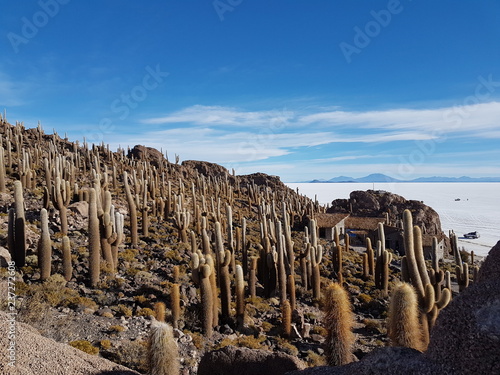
{"x": 414, "y": 269}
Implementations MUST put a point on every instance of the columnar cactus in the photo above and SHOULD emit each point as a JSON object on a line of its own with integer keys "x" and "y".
{"x": 181, "y": 222}
{"x": 67, "y": 263}
{"x": 160, "y": 309}
{"x": 382, "y": 271}
{"x": 381, "y": 235}
{"x": 206, "y": 300}
{"x": 94, "y": 240}
{"x": 403, "y": 324}
{"x": 414, "y": 263}
{"x": 132, "y": 211}
{"x": 2, "y": 169}
{"x": 316, "y": 257}
{"x": 338, "y": 321}
{"x": 107, "y": 230}
{"x": 225, "y": 285}
{"x": 281, "y": 262}
{"x": 286, "y": 318}
{"x": 61, "y": 197}
{"x": 462, "y": 273}
{"x": 175, "y": 298}
{"x": 120, "y": 236}
{"x": 252, "y": 278}
{"x": 290, "y": 255}
{"x": 291, "y": 291}
{"x": 213, "y": 283}
{"x": 240, "y": 296}
{"x": 337, "y": 263}
{"x": 44, "y": 247}
{"x": 162, "y": 350}
{"x": 16, "y": 230}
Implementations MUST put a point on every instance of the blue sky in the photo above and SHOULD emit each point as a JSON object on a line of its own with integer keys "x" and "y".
{"x": 300, "y": 89}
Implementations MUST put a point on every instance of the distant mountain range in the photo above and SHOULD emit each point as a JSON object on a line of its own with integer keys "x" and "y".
{"x": 378, "y": 177}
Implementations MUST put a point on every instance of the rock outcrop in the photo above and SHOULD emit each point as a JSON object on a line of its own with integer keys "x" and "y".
{"x": 231, "y": 360}
{"x": 373, "y": 203}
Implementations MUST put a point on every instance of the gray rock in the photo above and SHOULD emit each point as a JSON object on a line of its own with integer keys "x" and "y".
{"x": 4, "y": 257}
{"x": 80, "y": 208}
{"x": 243, "y": 361}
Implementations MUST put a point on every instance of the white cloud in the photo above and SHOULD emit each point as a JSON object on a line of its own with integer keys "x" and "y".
{"x": 216, "y": 115}
{"x": 474, "y": 118}
{"x": 11, "y": 92}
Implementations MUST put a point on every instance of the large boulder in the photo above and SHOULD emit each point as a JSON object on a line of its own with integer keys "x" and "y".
{"x": 150, "y": 154}
{"x": 375, "y": 203}
{"x": 467, "y": 333}
{"x": 232, "y": 360}
{"x": 385, "y": 361}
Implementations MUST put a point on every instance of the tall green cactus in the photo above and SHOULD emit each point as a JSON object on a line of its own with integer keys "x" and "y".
{"x": 2, "y": 169}
{"x": 252, "y": 278}
{"x": 240, "y": 296}
{"x": 94, "y": 240}
{"x": 338, "y": 321}
{"x": 17, "y": 227}
{"x": 225, "y": 285}
{"x": 414, "y": 266}
{"x": 206, "y": 300}
{"x": 382, "y": 270}
{"x": 175, "y": 298}
{"x": 67, "y": 263}
{"x": 316, "y": 257}
{"x": 61, "y": 197}
{"x": 209, "y": 260}
{"x": 44, "y": 247}
{"x": 132, "y": 211}
{"x": 286, "y": 318}
{"x": 403, "y": 324}
{"x": 163, "y": 353}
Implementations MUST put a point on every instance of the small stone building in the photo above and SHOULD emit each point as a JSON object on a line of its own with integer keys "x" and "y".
{"x": 362, "y": 228}
{"x": 326, "y": 224}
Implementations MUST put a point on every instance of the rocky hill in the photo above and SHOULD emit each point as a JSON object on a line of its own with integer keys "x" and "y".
{"x": 106, "y": 243}
{"x": 376, "y": 203}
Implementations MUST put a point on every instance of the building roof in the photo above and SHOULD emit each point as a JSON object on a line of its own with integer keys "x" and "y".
{"x": 365, "y": 223}
{"x": 324, "y": 220}
{"x": 427, "y": 238}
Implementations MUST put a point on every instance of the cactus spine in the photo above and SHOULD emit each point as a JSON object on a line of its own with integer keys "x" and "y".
{"x": 338, "y": 322}
{"x": 403, "y": 324}
{"x": 162, "y": 350}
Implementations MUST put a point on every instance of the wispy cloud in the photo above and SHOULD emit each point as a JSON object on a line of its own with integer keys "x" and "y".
{"x": 456, "y": 119}
{"x": 11, "y": 93}
{"x": 216, "y": 115}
